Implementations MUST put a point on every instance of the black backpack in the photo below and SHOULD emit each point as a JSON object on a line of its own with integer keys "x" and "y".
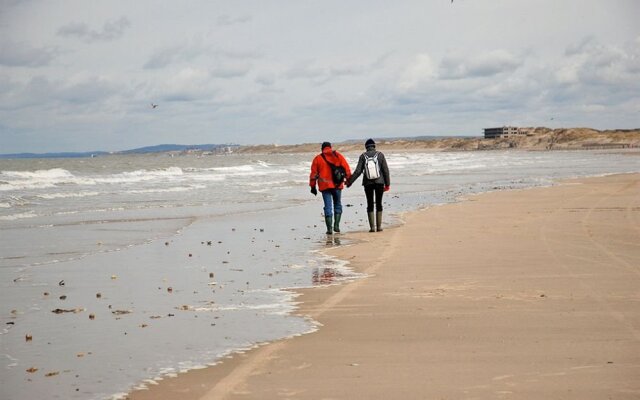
{"x": 338, "y": 173}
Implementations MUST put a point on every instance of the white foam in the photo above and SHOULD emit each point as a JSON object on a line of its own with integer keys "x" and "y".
{"x": 13, "y": 217}
{"x": 168, "y": 190}
{"x": 43, "y": 179}
{"x": 50, "y": 196}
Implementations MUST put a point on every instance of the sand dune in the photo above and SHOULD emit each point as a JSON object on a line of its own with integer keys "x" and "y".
{"x": 538, "y": 139}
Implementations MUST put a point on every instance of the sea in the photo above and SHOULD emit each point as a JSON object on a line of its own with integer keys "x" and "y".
{"x": 119, "y": 270}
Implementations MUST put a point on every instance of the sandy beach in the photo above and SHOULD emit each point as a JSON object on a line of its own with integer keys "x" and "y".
{"x": 523, "y": 294}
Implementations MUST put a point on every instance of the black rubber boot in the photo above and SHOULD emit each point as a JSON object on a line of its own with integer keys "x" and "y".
{"x": 372, "y": 222}
{"x": 379, "y": 221}
{"x": 336, "y": 222}
{"x": 329, "y": 222}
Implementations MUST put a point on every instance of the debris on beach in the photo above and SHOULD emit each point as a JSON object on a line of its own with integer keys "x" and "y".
{"x": 208, "y": 242}
{"x": 170, "y": 289}
{"x": 155, "y": 316}
{"x": 50, "y": 374}
{"x": 45, "y": 293}
{"x": 143, "y": 325}
{"x": 190, "y": 255}
{"x": 184, "y": 308}
{"x": 80, "y": 355}
{"x": 166, "y": 243}
{"x": 67, "y": 310}
{"x": 114, "y": 277}
{"x": 121, "y": 312}
{"x": 92, "y": 316}
{"x": 98, "y": 295}
{"x": 63, "y": 297}
{"x": 32, "y": 370}
{"x": 28, "y": 337}
{"x": 61, "y": 283}
{"x": 210, "y": 274}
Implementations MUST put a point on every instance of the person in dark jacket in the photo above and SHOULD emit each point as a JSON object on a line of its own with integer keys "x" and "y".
{"x": 322, "y": 174}
{"x": 372, "y": 186}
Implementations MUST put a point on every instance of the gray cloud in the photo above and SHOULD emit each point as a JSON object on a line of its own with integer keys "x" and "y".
{"x": 40, "y": 90}
{"x": 319, "y": 74}
{"x": 111, "y": 30}
{"x": 483, "y": 65}
{"x": 22, "y": 55}
{"x": 227, "y": 20}
{"x": 190, "y": 52}
{"x": 294, "y": 70}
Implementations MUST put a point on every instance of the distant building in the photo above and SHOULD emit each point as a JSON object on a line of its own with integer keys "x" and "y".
{"x": 505, "y": 131}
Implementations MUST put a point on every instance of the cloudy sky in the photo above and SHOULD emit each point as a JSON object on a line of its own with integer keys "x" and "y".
{"x": 81, "y": 75}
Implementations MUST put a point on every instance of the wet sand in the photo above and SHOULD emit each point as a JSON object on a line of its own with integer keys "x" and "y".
{"x": 525, "y": 294}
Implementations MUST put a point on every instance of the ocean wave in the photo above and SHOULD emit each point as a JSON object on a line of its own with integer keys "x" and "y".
{"x": 168, "y": 190}
{"x": 45, "y": 179}
{"x": 50, "y": 196}
{"x": 13, "y": 217}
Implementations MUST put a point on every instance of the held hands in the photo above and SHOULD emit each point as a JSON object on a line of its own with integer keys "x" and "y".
{"x": 314, "y": 191}
{"x": 386, "y": 188}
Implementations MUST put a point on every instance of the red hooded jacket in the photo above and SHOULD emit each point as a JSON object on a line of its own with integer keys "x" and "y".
{"x": 321, "y": 171}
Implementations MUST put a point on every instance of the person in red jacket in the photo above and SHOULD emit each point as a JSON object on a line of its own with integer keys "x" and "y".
{"x": 322, "y": 174}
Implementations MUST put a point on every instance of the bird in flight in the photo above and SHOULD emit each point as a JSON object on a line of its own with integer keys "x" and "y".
{"x": 154, "y": 105}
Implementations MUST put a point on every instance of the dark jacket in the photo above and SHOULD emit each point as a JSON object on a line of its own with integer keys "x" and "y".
{"x": 384, "y": 178}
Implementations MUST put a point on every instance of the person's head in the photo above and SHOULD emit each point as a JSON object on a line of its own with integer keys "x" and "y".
{"x": 370, "y": 144}
{"x": 325, "y": 145}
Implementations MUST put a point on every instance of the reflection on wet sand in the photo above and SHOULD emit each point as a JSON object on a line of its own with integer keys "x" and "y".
{"x": 325, "y": 276}
{"x": 333, "y": 240}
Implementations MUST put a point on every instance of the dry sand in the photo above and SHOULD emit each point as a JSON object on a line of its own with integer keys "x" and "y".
{"x": 530, "y": 294}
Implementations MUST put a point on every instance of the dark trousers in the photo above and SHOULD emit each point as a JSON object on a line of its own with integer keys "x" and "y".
{"x": 369, "y": 190}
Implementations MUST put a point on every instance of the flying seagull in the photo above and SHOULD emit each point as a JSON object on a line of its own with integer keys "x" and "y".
{"x": 154, "y": 105}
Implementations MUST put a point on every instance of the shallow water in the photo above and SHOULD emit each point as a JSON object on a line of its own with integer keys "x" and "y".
{"x": 189, "y": 255}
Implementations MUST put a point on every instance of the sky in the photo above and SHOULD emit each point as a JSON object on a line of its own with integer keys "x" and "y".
{"x": 78, "y": 75}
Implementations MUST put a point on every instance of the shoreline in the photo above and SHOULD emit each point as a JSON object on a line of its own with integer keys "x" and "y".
{"x": 257, "y": 373}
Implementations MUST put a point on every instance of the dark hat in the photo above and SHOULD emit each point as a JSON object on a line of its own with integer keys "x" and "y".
{"x": 370, "y": 143}
{"x": 325, "y": 144}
